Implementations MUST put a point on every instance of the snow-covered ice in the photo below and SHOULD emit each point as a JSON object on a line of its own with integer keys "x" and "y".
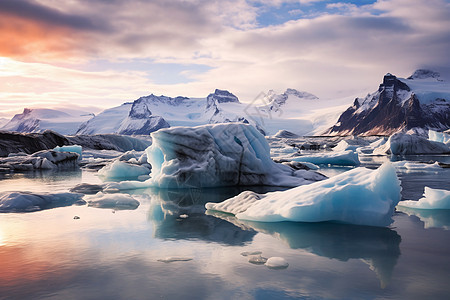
{"x": 276, "y": 263}
{"x": 218, "y": 155}
{"x": 113, "y": 201}
{"x": 432, "y": 199}
{"x": 27, "y": 201}
{"x": 123, "y": 170}
{"x": 341, "y": 158}
{"x": 359, "y": 196}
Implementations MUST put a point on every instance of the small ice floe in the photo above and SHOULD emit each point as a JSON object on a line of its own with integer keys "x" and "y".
{"x": 87, "y": 188}
{"x": 257, "y": 259}
{"x": 432, "y": 199}
{"x": 277, "y": 263}
{"x": 71, "y": 148}
{"x": 340, "y": 158}
{"x": 414, "y": 166}
{"x": 114, "y": 201}
{"x": 360, "y": 196}
{"x": 184, "y": 216}
{"x": 123, "y": 170}
{"x": 27, "y": 201}
{"x": 171, "y": 259}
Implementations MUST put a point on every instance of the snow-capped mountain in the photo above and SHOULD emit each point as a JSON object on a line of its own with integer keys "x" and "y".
{"x": 150, "y": 113}
{"x": 40, "y": 119}
{"x": 420, "y": 101}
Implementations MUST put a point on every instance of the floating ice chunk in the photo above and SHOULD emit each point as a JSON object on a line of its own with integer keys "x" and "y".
{"x": 216, "y": 155}
{"x": 276, "y": 263}
{"x": 120, "y": 169}
{"x": 344, "y": 146}
{"x": 27, "y": 201}
{"x": 87, "y": 188}
{"x": 45, "y": 159}
{"x": 359, "y": 196}
{"x": 342, "y": 158}
{"x": 71, "y": 148}
{"x": 432, "y": 199}
{"x": 257, "y": 260}
{"x": 404, "y": 144}
{"x": 440, "y": 137}
{"x": 413, "y": 166}
{"x": 171, "y": 259}
{"x": 114, "y": 201}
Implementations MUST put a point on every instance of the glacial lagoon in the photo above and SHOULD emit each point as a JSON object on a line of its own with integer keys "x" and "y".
{"x": 169, "y": 248}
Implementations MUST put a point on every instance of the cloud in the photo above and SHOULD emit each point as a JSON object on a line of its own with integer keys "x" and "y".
{"x": 336, "y": 53}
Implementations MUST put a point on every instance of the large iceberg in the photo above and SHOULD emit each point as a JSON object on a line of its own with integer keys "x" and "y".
{"x": 218, "y": 155}
{"x": 404, "y": 144}
{"x": 432, "y": 199}
{"x": 359, "y": 196}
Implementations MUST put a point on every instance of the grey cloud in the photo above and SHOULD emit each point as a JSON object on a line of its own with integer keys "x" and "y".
{"x": 37, "y": 12}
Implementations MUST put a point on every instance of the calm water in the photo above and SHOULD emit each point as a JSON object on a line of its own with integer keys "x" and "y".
{"x": 115, "y": 254}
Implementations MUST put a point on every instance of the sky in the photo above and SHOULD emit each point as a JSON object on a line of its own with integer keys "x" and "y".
{"x": 101, "y": 53}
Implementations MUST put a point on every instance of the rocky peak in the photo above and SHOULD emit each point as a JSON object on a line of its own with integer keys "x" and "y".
{"x": 424, "y": 74}
{"x": 220, "y": 96}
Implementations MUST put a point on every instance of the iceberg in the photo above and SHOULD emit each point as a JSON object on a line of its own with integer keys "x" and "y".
{"x": 227, "y": 154}
{"x": 28, "y": 202}
{"x": 112, "y": 201}
{"x": 340, "y": 158}
{"x": 432, "y": 199}
{"x": 440, "y": 137}
{"x": 359, "y": 196}
{"x": 71, "y": 148}
{"x": 406, "y": 144}
{"x": 45, "y": 159}
{"x": 123, "y": 170}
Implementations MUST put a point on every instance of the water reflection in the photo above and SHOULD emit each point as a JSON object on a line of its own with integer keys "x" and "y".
{"x": 377, "y": 246}
{"x": 180, "y": 214}
{"x": 432, "y": 218}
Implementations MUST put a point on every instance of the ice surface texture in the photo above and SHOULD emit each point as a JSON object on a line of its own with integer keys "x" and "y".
{"x": 359, "y": 196}
{"x": 432, "y": 199}
{"x": 218, "y": 155}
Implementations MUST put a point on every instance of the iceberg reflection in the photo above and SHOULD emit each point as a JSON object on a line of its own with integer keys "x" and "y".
{"x": 379, "y": 247}
{"x": 180, "y": 214}
{"x": 432, "y": 218}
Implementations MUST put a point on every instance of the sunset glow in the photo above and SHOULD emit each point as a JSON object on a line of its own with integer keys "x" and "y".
{"x": 101, "y": 53}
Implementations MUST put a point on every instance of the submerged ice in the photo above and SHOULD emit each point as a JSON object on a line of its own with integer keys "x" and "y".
{"x": 359, "y": 196}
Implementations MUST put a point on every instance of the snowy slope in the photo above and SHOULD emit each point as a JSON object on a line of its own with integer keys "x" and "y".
{"x": 40, "y": 119}
{"x": 150, "y": 113}
{"x": 420, "y": 101}
{"x": 295, "y": 111}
